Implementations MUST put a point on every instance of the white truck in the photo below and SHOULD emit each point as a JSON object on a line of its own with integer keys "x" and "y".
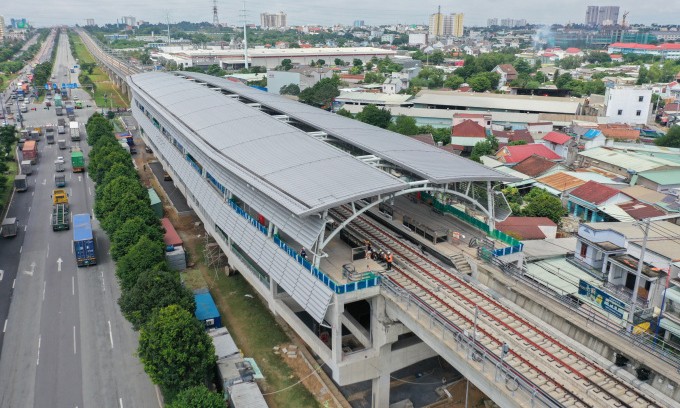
{"x": 59, "y": 164}
{"x": 75, "y": 130}
{"x": 26, "y": 167}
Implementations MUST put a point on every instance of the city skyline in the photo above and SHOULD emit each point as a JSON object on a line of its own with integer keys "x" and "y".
{"x": 41, "y": 13}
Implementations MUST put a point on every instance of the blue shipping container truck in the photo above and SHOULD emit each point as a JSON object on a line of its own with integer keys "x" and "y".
{"x": 83, "y": 240}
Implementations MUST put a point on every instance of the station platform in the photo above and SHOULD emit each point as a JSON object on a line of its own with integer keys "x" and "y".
{"x": 340, "y": 260}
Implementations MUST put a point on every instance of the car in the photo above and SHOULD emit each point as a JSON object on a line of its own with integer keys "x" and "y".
{"x": 166, "y": 176}
{"x": 60, "y": 158}
{"x": 75, "y": 98}
{"x": 148, "y": 149}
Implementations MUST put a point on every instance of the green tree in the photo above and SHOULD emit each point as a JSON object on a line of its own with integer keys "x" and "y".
{"x": 154, "y": 290}
{"x": 369, "y": 66}
{"x": 437, "y": 57}
{"x": 322, "y": 93}
{"x": 569, "y": 62}
{"x": 320, "y": 63}
{"x": 671, "y": 138}
{"x": 129, "y": 234}
{"x": 373, "y": 78}
{"x": 563, "y": 80}
{"x": 144, "y": 256}
{"x": 405, "y": 125}
{"x": 286, "y": 64}
{"x": 175, "y": 350}
{"x": 356, "y": 62}
{"x": 344, "y": 112}
{"x": 338, "y": 62}
{"x": 195, "y": 397}
{"x": 454, "y": 81}
{"x": 479, "y": 83}
{"x": 290, "y": 89}
{"x": 540, "y": 203}
{"x": 522, "y": 66}
{"x": 108, "y": 196}
{"x": 118, "y": 170}
{"x": 129, "y": 206}
{"x": 375, "y": 116}
{"x": 102, "y": 159}
{"x": 486, "y": 147}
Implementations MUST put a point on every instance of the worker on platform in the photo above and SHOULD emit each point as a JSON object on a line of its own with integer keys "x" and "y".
{"x": 368, "y": 250}
{"x": 389, "y": 261}
{"x": 303, "y": 253}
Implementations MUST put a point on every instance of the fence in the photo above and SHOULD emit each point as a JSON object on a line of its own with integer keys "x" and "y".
{"x": 514, "y": 245}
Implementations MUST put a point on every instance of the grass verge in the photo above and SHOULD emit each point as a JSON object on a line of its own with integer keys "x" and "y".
{"x": 101, "y": 80}
{"x": 256, "y": 331}
{"x": 9, "y": 186}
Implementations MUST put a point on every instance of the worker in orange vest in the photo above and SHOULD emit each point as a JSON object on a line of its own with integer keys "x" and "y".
{"x": 389, "y": 260}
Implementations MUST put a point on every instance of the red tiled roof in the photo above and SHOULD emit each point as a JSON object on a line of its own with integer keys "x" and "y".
{"x": 469, "y": 115}
{"x": 170, "y": 237}
{"x": 455, "y": 149}
{"x": 515, "y": 135}
{"x": 526, "y": 228}
{"x": 534, "y": 165}
{"x": 468, "y": 128}
{"x": 515, "y": 154}
{"x": 614, "y": 131}
{"x": 572, "y": 50}
{"x": 594, "y": 192}
{"x": 425, "y": 138}
{"x": 557, "y": 138}
{"x": 640, "y": 210}
{"x": 508, "y": 69}
{"x": 672, "y": 107}
{"x": 633, "y": 46}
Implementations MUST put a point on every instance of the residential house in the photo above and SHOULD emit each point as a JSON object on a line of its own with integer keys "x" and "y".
{"x": 392, "y": 86}
{"x": 664, "y": 181}
{"x": 537, "y": 166}
{"x": 509, "y": 136}
{"x": 559, "y": 184}
{"x": 528, "y": 228}
{"x": 304, "y": 77}
{"x": 592, "y": 138}
{"x": 558, "y": 142}
{"x": 514, "y": 154}
{"x": 542, "y": 127}
{"x": 624, "y": 164}
{"x": 628, "y": 104}
{"x": 585, "y": 201}
{"x": 482, "y": 119}
{"x": 620, "y": 132}
{"x": 467, "y": 134}
{"x": 507, "y": 72}
{"x": 612, "y": 251}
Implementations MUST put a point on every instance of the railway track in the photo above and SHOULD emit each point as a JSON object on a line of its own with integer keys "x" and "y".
{"x": 565, "y": 375}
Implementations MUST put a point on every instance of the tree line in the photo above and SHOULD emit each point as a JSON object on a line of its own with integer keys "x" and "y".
{"x": 174, "y": 348}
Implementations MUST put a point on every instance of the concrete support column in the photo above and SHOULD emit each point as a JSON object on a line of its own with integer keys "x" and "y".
{"x": 380, "y": 389}
{"x": 380, "y": 386}
{"x": 604, "y": 265}
{"x": 336, "y": 335}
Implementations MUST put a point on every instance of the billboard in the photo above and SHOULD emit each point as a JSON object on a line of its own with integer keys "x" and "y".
{"x": 610, "y": 304}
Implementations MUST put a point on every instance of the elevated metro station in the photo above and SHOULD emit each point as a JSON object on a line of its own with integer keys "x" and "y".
{"x": 286, "y": 191}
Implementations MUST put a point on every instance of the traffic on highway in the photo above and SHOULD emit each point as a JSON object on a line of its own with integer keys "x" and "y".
{"x": 64, "y": 342}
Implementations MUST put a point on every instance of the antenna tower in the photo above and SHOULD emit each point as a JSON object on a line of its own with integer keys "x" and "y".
{"x": 216, "y": 20}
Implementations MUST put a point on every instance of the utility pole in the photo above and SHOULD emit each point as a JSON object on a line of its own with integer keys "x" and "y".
{"x": 633, "y": 298}
{"x": 216, "y": 21}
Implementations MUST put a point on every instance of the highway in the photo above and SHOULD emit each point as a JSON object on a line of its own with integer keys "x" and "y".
{"x": 65, "y": 342}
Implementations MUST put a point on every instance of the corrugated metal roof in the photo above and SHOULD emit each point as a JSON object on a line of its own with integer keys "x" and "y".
{"x": 625, "y": 160}
{"x": 500, "y": 102}
{"x": 205, "y": 306}
{"x": 82, "y": 228}
{"x": 304, "y": 174}
{"x": 426, "y": 161}
{"x": 663, "y": 177}
{"x": 246, "y": 395}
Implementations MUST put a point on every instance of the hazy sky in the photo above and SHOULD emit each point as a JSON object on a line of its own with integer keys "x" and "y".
{"x": 48, "y": 12}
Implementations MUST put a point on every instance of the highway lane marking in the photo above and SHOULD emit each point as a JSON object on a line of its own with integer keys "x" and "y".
{"x": 73, "y": 285}
{"x": 47, "y": 255}
{"x": 21, "y": 248}
{"x": 71, "y": 240}
{"x": 44, "y": 287}
{"x": 5, "y": 327}
{"x": 29, "y": 209}
{"x": 89, "y": 191}
{"x": 14, "y": 282}
{"x": 59, "y": 261}
{"x": 32, "y": 193}
{"x": 103, "y": 283}
{"x": 74, "y": 339}
{"x": 2, "y": 273}
{"x": 26, "y": 226}
{"x": 110, "y": 334}
{"x": 120, "y": 401}
{"x": 38, "y": 362}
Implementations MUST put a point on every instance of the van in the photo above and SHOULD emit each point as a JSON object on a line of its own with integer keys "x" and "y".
{"x": 24, "y": 108}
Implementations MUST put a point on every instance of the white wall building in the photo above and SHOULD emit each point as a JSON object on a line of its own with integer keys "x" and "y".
{"x": 274, "y": 20}
{"x": 631, "y": 105}
{"x": 303, "y": 77}
{"x": 417, "y": 38}
{"x": 2, "y": 28}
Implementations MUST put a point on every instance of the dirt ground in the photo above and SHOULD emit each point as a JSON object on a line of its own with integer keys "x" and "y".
{"x": 457, "y": 400}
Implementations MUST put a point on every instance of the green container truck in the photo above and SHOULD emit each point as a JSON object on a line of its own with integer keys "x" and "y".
{"x": 77, "y": 161}
{"x": 57, "y": 101}
{"x": 156, "y": 204}
{"x": 60, "y": 217}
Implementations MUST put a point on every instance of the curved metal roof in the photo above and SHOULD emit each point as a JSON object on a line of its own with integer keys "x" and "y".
{"x": 429, "y": 162}
{"x": 304, "y": 174}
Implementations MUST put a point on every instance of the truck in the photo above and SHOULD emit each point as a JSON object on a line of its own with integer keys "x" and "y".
{"x": 62, "y": 144}
{"x": 64, "y": 93}
{"x": 58, "y": 101}
{"x": 79, "y": 104}
{"x": 59, "y": 196}
{"x": 83, "y": 240}
{"x": 49, "y": 137}
{"x": 24, "y": 108}
{"x": 60, "y": 180}
{"x": 30, "y": 151}
{"x": 59, "y": 111}
{"x": 59, "y": 165}
{"x": 74, "y": 128}
{"x": 60, "y": 217}
{"x": 20, "y": 183}
{"x": 69, "y": 110}
{"x": 77, "y": 160}
{"x": 9, "y": 227}
{"x": 61, "y": 126}
{"x": 26, "y": 167}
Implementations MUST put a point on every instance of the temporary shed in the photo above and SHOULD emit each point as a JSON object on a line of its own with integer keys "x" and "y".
{"x": 156, "y": 204}
{"x": 206, "y": 310}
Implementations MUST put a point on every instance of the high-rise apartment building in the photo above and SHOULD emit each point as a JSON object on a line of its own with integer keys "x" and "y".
{"x": 437, "y": 25}
{"x": 89, "y": 22}
{"x": 273, "y": 20}
{"x": 129, "y": 21}
{"x": 359, "y": 23}
{"x": 2, "y": 29}
{"x": 453, "y": 25}
{"x": 602, "y": 15}
{"x": 491, "y": 22}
